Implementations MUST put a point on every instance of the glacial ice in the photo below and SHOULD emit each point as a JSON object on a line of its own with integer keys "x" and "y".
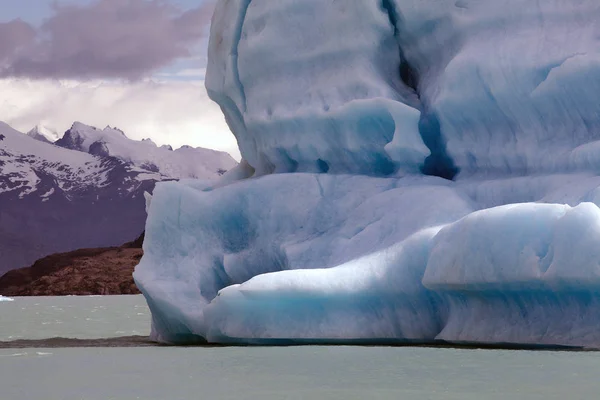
{"x": 538, "y": 287}
{"x": 215, "y": 238}
{"x": 353, "y": 85}
{"x": 329, "y": 99}
{"x": 412, "y": 171}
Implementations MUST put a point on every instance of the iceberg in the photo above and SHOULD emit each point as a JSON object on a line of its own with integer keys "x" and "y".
{"x": 413, "y": 171}
{"x": 3, "y": 298}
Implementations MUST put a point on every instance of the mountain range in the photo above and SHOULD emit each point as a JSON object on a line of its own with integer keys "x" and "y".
{"x": 84, "y": 189}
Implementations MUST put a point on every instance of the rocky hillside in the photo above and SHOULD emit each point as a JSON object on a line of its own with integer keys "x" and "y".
{"x": 99, "y": 271}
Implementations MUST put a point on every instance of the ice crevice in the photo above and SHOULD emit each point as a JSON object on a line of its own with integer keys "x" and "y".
{"x": 235, "y": 54}
{"x": 438, "y": 163}
{"x": 554, "y": 67}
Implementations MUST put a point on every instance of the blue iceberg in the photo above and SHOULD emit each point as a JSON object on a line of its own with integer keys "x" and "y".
{"x": 412, "y": 171}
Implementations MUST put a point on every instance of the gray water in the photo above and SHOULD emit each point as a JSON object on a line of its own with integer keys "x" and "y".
{"x": 308, "y": 372}
{"x": 82, "y": 317}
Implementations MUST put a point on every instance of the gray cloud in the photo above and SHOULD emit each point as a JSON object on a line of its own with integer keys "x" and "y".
{"x": 14, "y": 36}
{"x": 106, "y": 39}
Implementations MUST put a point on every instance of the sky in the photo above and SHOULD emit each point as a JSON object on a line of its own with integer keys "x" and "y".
{"x": 133, "y": 64}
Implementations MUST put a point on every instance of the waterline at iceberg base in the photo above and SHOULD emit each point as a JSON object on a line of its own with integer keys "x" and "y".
{"x": 412, "y": 171}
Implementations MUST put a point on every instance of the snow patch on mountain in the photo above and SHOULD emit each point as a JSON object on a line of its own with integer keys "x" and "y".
{"x": 23, "y": 158}
{"x": 185, "y": 162}
{"x": 43, "y": 134}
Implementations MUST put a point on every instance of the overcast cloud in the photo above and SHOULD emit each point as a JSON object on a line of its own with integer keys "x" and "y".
{"x": 14, "y": 35}
{"x": 169, "y": 112}
{"x": 123, "y": 39}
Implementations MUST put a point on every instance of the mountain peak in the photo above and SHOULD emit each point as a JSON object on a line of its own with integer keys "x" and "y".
{"x": 43, "y": 134}
{"x": 192, "y": 163}
{"x": 81, "y": 127}
{"x": 110, "y": 129}
{"x": 149, "y": 141}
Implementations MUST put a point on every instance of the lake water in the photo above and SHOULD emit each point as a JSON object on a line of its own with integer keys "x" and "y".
{"x": 83, "y": 317}
{"x": 307, "y": 372}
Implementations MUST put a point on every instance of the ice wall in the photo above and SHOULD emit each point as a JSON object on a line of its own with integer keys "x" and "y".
{"x": 413, "y": 170}
{"x": 513, "y": 83}
{"x": 527, "y": 274}
{"x": 314, "y": 86}
{"x": 291, "y": 258}
{"x": 374, "y": 86}
{"x": 199, "y": 241}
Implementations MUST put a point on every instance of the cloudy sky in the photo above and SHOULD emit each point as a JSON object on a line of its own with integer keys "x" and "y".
{"x": 134, "y": 64}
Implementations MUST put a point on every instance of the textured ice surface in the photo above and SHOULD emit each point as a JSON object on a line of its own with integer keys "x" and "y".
{"x": 528, "y": 273}
{"x": 312, "y": 84}
{"x": 520, "y": 273}
{"x": 199, "y": 242}
{"x": 339, "y": 257}
{"x": 376, "y": 297}
{"x": 347, "y": 107}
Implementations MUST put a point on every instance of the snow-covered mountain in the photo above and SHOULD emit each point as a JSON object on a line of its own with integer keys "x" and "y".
{"x": 86, "y": 190}
{"x": 185, "y": 162}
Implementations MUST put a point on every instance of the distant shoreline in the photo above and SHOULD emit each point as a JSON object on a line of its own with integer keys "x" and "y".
{"x": 60, "y": 342}
{"x": 144, "y": 341}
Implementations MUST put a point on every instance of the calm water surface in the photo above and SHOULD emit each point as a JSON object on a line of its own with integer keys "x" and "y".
{"x": 82, "y": 317}
{"x": 311, "y": 372}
